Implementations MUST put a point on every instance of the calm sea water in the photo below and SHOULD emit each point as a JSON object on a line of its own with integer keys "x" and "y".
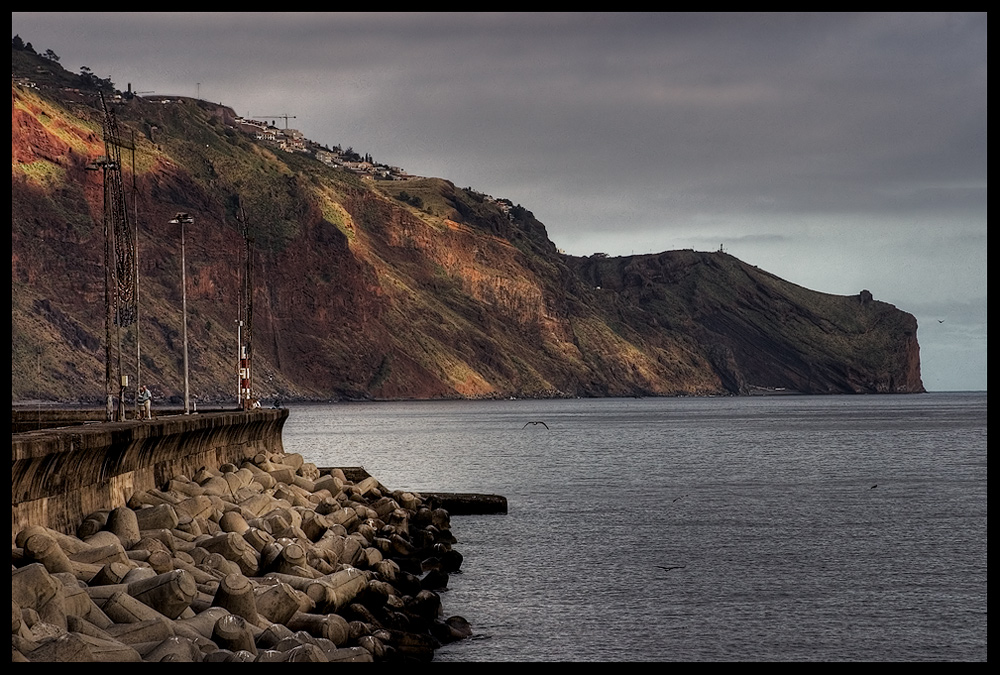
{"x": 783, "y": 548}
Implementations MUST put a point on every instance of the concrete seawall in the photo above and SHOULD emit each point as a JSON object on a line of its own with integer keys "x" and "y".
{"x": 60, "y": 475}
{"x": 197, "y": 539}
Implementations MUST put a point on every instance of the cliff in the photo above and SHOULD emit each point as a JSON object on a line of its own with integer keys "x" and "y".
{"x": 365, "y": 288}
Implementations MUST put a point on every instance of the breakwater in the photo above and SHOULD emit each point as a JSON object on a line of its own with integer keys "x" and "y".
{"x": 60, "y": 475}
{"x": 208, "y": 543}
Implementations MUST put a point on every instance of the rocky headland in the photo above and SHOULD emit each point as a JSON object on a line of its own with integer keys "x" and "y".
{"x": 371, "y": 288}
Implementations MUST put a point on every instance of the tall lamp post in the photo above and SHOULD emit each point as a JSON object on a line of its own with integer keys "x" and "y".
{"x": 184, "y": 219}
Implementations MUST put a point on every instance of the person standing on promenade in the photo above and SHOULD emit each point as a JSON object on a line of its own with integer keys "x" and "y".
{"x": 146, "y": 400}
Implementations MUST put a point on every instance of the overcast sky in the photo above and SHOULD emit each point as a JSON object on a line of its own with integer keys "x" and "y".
{"x": 838, "y": 151}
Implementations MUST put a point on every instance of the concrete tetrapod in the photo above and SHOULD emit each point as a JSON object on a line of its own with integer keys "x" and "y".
{"x": 277, "y": 562}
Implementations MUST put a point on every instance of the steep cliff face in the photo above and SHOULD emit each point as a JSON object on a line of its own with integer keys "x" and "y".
{"x": 761, "y": 333}
{"x": 357, "y": 293}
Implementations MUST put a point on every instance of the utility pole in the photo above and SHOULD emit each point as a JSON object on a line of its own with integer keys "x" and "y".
{"x": 120, "y": 281}
{"x": 245, "y": 344}
{"x": 183, "y": 219}
{"x": 138, "y": 349}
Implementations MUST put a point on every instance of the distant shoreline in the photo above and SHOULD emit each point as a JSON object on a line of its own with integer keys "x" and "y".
{"x": 215, "y": 407}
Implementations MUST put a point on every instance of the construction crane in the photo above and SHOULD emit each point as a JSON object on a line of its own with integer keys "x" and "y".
{"x": 132, "y": 94}
{"x": 284, "y": 117}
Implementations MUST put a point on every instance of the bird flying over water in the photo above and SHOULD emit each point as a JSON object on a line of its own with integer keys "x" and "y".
{"x": 675, "y": 567}
{"x": 873, "y": 486}
{"x": 539, "y": 422}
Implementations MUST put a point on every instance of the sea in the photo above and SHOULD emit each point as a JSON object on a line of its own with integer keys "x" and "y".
{"x": 784, "y": 528}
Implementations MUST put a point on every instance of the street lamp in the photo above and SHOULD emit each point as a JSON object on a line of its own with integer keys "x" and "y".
{"x": 184, "y": 219}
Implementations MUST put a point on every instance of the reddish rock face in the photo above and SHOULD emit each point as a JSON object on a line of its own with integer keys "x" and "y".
{"x": 358, "y": 293}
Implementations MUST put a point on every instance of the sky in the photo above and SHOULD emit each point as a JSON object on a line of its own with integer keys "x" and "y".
{"x": 840, "y": 152}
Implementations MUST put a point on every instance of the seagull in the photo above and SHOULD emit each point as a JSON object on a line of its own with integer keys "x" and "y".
{"x": 542, "y": 423}
{"x": 675, "y": 567}
{"x": 873, "y": 486}
{"x": 940, "y": 320}
{"x": 680, "y": 498}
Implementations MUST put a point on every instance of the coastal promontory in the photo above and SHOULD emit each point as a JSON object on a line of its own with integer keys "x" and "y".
{"x": 372, "y": 284}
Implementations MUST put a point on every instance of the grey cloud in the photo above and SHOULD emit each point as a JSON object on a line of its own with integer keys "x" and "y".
{"x": 841, "y": 150}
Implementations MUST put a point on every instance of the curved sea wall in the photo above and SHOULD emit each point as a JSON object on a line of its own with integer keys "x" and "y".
{"x": 257, "y": 556}
{"x": 59, "y": 476}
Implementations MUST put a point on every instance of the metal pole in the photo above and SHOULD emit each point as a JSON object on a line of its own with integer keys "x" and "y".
{"x": 246, "y": 317}
{"x": 138, "y": 349}
{"x": 109, "y": 286}
{"x": 184, "y": 308}
{"x": 239, "y": 364}
{"x": 183, "y": 219}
